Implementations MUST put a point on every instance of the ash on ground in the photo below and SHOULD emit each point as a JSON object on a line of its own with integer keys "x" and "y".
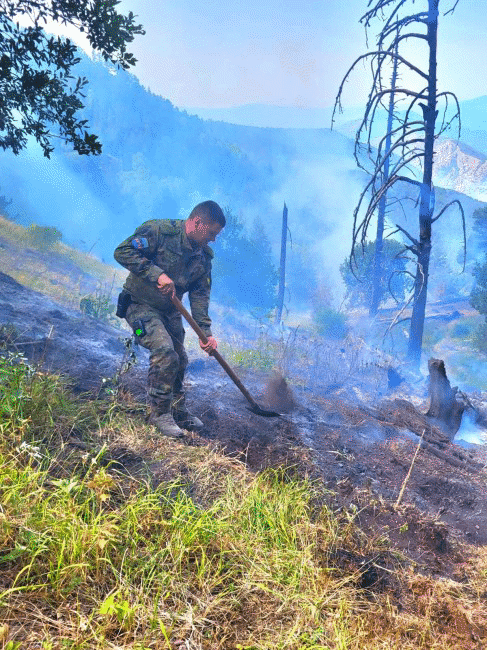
{"x": 345, "y": 424}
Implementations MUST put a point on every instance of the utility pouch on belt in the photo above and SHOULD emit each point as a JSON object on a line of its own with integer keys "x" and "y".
{"x": 139, "y": 329}
{"x": 124, "y": 300}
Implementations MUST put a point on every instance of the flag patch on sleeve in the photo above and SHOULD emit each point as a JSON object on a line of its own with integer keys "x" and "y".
{"x": 140, "y": 243}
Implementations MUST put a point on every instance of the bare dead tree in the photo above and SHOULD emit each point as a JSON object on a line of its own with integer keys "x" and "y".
{"x": 407, "y": 149}
{"x": 379, "y": 239}
{"x": 282, "y": 266}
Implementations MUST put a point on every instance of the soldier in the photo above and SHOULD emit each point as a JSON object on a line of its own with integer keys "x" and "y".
{"x": 168, "y": 257}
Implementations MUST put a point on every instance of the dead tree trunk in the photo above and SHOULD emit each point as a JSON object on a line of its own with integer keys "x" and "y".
{"x": 445, "y": 407}
{"x": 427, "y": 196}
{"x": 282, "y": 267}
{"x": 379, "y": 240}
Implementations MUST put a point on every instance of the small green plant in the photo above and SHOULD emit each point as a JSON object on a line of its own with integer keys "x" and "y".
{"x": 44, "y": 237}
{"x": 99, "y": 304}
{"x": 8, "y": 334}
{"x": 114, "y": 607}
{"x": 330, "y": 323}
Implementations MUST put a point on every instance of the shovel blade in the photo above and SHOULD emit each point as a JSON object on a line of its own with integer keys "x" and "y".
{"x": 265, "y": 414}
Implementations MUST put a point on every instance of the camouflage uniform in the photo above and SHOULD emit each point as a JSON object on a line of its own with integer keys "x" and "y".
{"x": 161, "y": 246}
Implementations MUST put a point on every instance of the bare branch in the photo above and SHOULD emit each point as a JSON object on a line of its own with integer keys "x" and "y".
{"x": 457, "y": 114}
{"x": 365, "y": 56}
{"x": 355, "y": 229}
{"x": 391, "y": 277}
{"x": 450, "y": 11}
{"x": 405, "y": 232}
{"x": 379, "y": 8}
{"x": 373, "y": 203}
{"x": 411, "y": 105}
{"x": 463, "y": 226}
{"x": 369, "y": 117}
{"x": 397, "y": 145}
{"x": 401, "y": 164}
{"x": 404, "y": 36}
{"x": 406, "y": 179}
{"x": 396, "y": 320}
{"x": 374, "y": 102}
{"x": 401, "y": 311}
{"x": 391, "y": 27}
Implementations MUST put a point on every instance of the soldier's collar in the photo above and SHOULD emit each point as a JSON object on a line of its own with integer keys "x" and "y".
{"x": 187, "y": 243}
{"x": 184, "y": 240}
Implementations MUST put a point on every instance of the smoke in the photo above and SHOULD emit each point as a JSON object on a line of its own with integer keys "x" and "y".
{"x": 47, "y": 192}
{"x": 321, "y": 189}
{"x": 469, "y": 432}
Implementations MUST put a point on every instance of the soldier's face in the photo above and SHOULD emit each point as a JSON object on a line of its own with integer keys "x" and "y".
{"x": 201, "y": 232}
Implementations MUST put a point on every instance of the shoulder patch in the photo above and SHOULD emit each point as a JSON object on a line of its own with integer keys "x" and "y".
{"x": 140, "y": 243}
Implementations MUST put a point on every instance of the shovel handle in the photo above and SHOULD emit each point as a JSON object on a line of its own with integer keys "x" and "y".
{"x": 214, "y": 353}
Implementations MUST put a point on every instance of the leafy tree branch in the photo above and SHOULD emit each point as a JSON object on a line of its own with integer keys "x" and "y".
{"x": 39, "y": 95}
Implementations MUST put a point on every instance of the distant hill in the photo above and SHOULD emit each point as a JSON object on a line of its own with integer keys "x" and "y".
{"x": 159, "y": 161}
{"x": 473, "y": 115}
{"x": 282, "y": 117}
{"x": 462, "y": 168}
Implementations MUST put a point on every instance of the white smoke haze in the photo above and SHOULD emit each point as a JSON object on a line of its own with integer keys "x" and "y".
{"x": 321, "y": 197}
{"x": 51, "y": 194}
{"x": 470, "y": 432}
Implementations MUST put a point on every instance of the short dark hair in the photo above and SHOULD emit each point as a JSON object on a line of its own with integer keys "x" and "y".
{"x": 209, "y": 211}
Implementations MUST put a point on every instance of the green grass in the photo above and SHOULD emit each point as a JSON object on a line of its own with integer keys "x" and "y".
{"x": 74, "y": 276}
{"x": 91, "y": 559}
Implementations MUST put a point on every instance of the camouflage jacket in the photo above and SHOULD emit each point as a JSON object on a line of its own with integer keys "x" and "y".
{"x": 161, "y": 246}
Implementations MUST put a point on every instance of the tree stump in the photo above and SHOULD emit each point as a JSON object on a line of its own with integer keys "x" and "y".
{"x": 446, "y": 403}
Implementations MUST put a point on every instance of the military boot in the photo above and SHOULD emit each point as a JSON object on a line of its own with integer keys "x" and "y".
{"x": 166, "y": 425}
{"x": 182, "y": 416}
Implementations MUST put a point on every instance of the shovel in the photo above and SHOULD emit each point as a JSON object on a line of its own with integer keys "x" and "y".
{"x": 254, "y": 407}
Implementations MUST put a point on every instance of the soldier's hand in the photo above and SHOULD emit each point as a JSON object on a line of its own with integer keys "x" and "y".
{"x": 166, "y": 285}
{"x": 211, "y": 345}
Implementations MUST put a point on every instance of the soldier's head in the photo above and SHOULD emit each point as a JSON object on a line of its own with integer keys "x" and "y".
{"x": 205, "y": 222}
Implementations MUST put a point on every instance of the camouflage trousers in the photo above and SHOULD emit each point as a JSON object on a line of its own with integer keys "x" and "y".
{"x": 164, "y": 338}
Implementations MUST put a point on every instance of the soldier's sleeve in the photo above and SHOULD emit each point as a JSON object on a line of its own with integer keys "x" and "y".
{"x": 137, "y": 252}
{"x": 199, "y": 299}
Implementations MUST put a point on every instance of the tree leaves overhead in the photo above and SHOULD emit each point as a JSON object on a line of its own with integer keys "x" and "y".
{"x": 39, "y": 96}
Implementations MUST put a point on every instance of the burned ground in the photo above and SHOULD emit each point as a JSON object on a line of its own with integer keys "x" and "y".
{"x": 356, "y": 440}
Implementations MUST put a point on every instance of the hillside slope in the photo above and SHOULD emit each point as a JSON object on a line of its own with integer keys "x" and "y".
{"x": 88, "y": 487}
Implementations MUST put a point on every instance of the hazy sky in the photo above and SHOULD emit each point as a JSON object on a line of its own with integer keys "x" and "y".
{"x": 216, "y": 53}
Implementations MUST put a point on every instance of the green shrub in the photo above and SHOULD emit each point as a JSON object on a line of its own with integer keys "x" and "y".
{"x": 460, "y": 331}
{"x": 44, "y": 237}
{"x": 330, "y": 323}
{"x": 479, "y": 339}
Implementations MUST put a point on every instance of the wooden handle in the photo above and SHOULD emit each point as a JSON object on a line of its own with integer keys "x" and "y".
{"x": 214, "y": 353}
{"x": 182, "y": 310}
